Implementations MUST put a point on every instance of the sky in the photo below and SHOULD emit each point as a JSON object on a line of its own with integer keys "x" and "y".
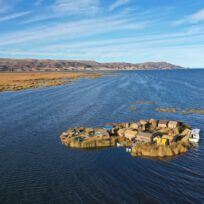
{"x": 104, "y": 30}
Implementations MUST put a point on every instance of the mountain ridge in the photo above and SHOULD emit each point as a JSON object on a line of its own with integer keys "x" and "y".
{"x": 32, "y": 65}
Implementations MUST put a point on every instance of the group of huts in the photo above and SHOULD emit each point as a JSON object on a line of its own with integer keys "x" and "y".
{"x": 152, "y": 131}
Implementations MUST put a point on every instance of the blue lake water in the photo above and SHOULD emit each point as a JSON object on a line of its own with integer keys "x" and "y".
{"x": 36, "y": 168}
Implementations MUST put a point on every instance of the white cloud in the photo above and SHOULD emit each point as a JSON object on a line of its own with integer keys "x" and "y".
{"x": 76, "y": 7}
{"x": 134, "y": 42}
{"x": 118, "y": 3}
{"x": 179, "y": 22}
{"x": 197, "y": 17}
{"x": 192, "y": 19}
{"x": 39, "y": 2}
{"x": 13, "y": 16}
{"x": 3, "y": 6}
{"x": 39, "y": 18}
{"x": 111, "y": 49}
{"x": 71, "y": 30}
{"x": 65, "y": 8}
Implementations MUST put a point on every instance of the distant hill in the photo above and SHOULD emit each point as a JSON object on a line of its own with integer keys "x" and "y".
{"x": 32, "y": 65}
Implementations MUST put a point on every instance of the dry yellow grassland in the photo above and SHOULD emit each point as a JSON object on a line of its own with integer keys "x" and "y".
{"x": 19, "y": 81}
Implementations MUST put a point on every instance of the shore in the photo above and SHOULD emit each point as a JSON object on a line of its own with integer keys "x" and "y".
{"x": 26, "y": 80}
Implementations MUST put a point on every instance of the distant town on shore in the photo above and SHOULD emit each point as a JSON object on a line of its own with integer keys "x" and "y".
{"x": 32, "y": 65}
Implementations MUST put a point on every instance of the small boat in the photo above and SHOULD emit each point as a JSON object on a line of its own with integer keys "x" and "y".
{"x": 119, "y": 144}
{"x": 128, "y": 149}
{"x": 195, "y": 136}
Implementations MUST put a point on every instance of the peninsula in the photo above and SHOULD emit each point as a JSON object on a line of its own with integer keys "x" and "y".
{"x": 153, "y": 138}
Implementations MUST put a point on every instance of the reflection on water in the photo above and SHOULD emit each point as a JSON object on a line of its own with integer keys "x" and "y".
{"x": 36, "y": 168}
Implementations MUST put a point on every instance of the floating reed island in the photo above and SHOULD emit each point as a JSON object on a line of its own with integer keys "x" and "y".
{"x": 152, "y": 138}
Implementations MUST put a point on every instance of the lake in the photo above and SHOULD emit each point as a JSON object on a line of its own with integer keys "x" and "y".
{"x": 36, "y": 168}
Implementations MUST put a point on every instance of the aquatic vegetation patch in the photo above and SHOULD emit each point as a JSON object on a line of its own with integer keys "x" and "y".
{"x": 133, "y": 109}
{"x": 194, "y": 111}
{"x": 139, "y": 103}
{"x": 185, "y": 112}
{"x": 145, "y": 102}
{"x": 167, "y": 110}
